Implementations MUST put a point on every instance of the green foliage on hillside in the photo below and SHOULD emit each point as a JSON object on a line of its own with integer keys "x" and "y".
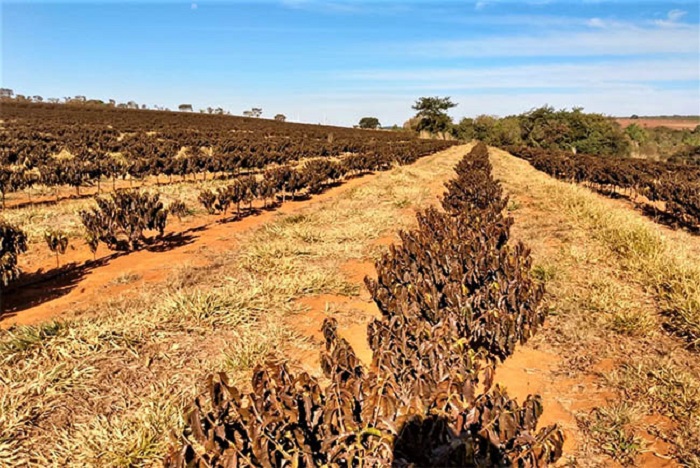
{"x": 548, "y": 128}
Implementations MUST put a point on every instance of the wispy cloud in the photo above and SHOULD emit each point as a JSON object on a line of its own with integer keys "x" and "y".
{"x": 672, "y": 18}
{"x": 600, "y": 40}
{"x": 635, "y": 73}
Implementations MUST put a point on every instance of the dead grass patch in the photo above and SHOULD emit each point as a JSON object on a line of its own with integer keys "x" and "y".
{"x": 110, "y": 386}
{"x": 613, "y": 428}
{"x": 617, "y": 279}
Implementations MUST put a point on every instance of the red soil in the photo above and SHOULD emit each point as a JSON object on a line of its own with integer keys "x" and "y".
{"x": 675, "y": 124}
{"x": 84, "y": 281}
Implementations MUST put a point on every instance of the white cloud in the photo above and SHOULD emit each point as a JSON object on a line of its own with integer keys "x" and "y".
{"x": 194, "y": 6}
{"x": 607, "y": 74}
{"x": 675, "y": 15}
{"x": 595, "y": 23}
{"x": 671, "y": 19}
{"x": 603, "y": 40}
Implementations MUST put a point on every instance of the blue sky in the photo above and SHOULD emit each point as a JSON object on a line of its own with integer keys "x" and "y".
{"x": 336, "y": 61}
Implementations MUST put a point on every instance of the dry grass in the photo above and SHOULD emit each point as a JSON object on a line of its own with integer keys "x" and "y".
{"x": 612, "y": 428}
{"x": 615, "y": 281}
{"x": 110, "y": 387}
{"x": 665, "y": 268}
{"x": 671, "y": 390}
{"x": 127, "y": 277}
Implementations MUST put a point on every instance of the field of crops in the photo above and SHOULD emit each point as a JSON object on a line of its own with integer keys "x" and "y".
{"x": 675, "y": 187}
{"x": 247, "y": 160}
{"x": 203, "y": 290}
{"x": 455, "y": 299}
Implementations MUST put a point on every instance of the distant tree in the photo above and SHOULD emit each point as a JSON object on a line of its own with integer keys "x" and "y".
{"x": 484, "y": 126}
{"x": 37, "y": 98}
{"x": 144, "y": 107}
{"x": 53, "y": 100}
{"x": 637, "y": 133}
{"x": 464, "y": 130}
{"x": 185, "y": 107}
{"x": 247, "y": 113}
{"x": 112, "y": 102}
{"x": 574, "y": 130}
{"x": 369, "y": 122}
{"x": 634, "y": 116}
{"x": 432, "y": 112}
{"x": 6, "y": 93}
{"x": 257, "y": 111}
{"x": 280, "y": 117}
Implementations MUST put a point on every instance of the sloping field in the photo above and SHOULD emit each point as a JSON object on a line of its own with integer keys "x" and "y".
{"x": 672, "y": 123}
{"x": 109, "y": 383}
{"x": 623, "y": 388}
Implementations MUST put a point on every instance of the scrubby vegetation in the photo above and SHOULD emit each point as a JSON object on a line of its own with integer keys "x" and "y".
{"x": 547, "y": 128}
{"x": 576, "y": 131}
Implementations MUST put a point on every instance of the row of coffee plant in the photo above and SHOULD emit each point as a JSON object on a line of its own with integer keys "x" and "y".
{"x": 313, "y": 176}
{"x": 55, "y": 145}
{"x": 122, "y": 219}
{"x": 13, "y": 242}
{"x": 676, "y": 186}
{"x": 455, "y": 298}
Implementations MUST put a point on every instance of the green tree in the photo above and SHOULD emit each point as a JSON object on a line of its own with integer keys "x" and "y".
{"x": 506, "y": 132}
{"x": 637, "y": 133}
{"x": 484, "y": 126}
{"x": 464, "y": 130}
{"x": 573, "y": 130}
{"x": 432, "y": 112}
{"x": 369, "y": 122}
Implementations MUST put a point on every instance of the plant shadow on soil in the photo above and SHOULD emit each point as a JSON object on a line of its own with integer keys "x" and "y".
{"x": 33, "y": 289}
{"x": 431, "y": 442}
{"x": 650, "y": 211}
{"x": 45, "y": 285}
{"x": 661, "y": 217}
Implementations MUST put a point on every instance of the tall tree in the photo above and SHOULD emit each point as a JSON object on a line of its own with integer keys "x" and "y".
{"x": 369, "y": 122}
{"x": 432, "y": 112}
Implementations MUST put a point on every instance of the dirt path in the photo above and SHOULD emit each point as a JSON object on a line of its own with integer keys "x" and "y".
{"x": 354, "y": 311}
{"x": 196, "y": 242}
{"x": 590, "y": 360}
